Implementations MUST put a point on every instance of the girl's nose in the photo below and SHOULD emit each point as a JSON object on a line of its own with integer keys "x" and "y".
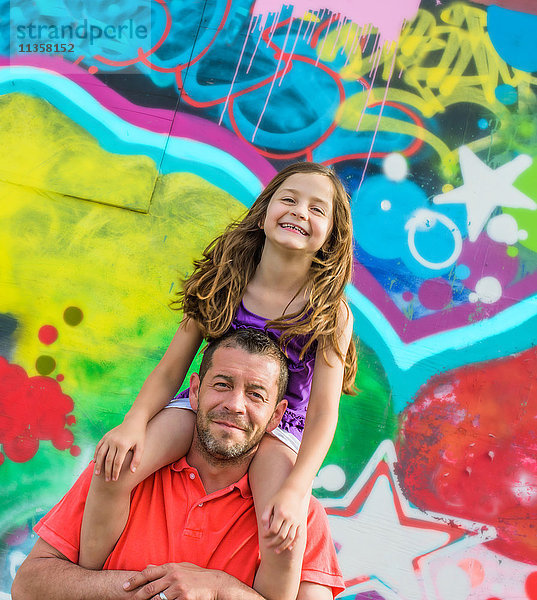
{"x": 298, "y": 211}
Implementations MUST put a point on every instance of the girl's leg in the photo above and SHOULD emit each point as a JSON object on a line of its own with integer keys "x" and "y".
{"x": 169, "y": 435}
{"x": 279, "y": 574}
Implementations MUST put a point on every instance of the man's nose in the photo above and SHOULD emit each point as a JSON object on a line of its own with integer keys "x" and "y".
{"x": 235, "y": 401}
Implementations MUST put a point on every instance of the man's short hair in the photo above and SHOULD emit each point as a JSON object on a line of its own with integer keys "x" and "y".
{"x": 252, "y": 341}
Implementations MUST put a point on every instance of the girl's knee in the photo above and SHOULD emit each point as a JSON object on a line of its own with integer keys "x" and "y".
{"x": 271, "y": 445}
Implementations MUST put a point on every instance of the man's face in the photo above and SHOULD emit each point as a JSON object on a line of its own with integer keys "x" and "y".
{"x": 236, "y": 402}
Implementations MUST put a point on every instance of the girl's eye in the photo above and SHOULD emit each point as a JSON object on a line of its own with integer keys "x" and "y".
{"x": 288, "y": 199}
{"x": 317, "y": 209}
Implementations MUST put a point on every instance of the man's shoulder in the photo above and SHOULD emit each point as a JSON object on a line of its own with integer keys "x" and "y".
{"x": 320, "y": 564}
{"x": 316, "y": 509}
{"x": 317, "y": 525}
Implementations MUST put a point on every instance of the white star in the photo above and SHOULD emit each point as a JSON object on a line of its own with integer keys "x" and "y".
{"x": 485, "y": 189}
{"x": 374, "y": 541}
{"x": 384, "y": 543}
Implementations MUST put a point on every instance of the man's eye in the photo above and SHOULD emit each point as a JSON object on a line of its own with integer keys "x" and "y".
{"x": 220, "y": 384}
{"x": 257, "y": 396}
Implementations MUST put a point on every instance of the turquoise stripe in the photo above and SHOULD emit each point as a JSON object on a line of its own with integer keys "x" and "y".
{"x": 120, "y": 137}
{"x": 408, "y": 366}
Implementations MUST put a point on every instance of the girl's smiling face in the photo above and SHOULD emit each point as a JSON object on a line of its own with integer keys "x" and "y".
{"x": 299, "y": 214}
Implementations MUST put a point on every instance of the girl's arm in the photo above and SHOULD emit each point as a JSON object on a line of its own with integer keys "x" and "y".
{"x": 158, "y": 389}
{"x": 282, "y": 514}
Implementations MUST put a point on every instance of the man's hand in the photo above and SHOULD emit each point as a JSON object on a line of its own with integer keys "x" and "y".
{"x": 178, "y": 581}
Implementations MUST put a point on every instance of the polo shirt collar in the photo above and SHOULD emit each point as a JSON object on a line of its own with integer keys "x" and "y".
{"x": 243, "y": 485}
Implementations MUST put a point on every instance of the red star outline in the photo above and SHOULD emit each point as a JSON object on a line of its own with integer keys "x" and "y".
{"x": 383, "y": 469}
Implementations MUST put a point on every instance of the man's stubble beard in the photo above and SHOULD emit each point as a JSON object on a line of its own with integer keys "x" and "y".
{"x": 218, "y": 451}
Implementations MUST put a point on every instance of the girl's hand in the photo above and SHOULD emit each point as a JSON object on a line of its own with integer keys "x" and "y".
{"x": 284, "y": 514}
{"x": 111, "y": 451}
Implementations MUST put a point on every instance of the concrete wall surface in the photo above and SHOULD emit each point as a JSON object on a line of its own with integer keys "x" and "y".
{"x": 132, "y": 133}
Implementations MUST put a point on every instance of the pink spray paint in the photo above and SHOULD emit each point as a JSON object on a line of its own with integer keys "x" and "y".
{"x": 388, "y": 16}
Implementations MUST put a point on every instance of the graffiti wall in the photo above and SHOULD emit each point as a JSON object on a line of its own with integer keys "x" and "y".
{"x": 132, "y": 136}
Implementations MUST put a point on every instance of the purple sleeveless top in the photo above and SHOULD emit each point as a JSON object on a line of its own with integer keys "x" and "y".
{"x": 300, "y": 371}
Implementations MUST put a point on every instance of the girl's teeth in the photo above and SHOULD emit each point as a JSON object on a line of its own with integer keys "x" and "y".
{"x": 294, "y": 228}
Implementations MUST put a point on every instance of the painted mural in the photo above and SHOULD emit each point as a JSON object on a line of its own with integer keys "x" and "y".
{"x": 132, "y": 136}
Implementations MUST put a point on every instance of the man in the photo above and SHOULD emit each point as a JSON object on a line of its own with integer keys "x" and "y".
{"x": 197, "y": 510}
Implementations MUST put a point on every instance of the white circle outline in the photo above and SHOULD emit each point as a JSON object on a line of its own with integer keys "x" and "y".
{"x": 423, "y": 219}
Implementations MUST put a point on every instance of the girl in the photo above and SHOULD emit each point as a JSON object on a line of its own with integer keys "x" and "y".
{"x": 283, "y": 268}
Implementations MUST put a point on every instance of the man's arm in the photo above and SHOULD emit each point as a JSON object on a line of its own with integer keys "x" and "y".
{"x": 185, "y": 581}
{"x": 47, "y": 574}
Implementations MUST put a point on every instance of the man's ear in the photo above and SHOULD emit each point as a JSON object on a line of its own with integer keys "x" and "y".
{"x": 193, "y": 393}
{"x": 277, "y": 415}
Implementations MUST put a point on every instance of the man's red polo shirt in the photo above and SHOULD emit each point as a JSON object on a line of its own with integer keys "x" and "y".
{"x": 172, "y": 519}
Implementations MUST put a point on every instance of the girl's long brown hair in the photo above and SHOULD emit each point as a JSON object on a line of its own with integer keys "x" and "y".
{"x": 212, "y": 294}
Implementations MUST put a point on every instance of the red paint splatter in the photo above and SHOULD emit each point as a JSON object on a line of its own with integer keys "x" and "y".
{"x": 63, "y": 439}
{"x": 21, "y": 447}
{"x": 75, "y": 450}
{"x": 60, "y": 377}
{"x": 71, "y": 420}
{"x": 31, "y": 409}
{"x": 468, "y": 448}
{"x": 531, "y": 586}
{"x": 2, "y": 458}
{"x": 48, "y": 334}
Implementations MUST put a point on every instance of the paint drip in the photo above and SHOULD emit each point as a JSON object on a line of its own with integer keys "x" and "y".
{"x": 388, "y": 16}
